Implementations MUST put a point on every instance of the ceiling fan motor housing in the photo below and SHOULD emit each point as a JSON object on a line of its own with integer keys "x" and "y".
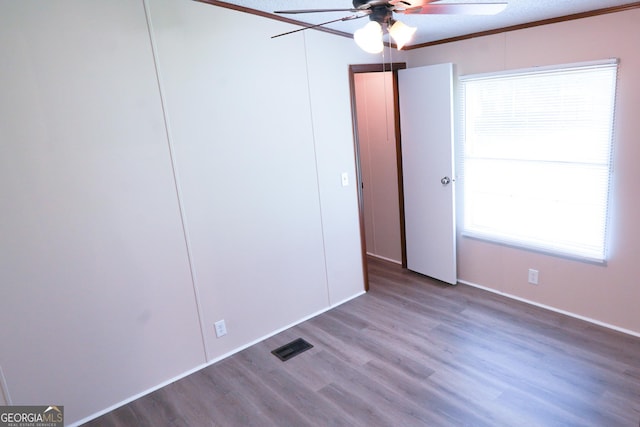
{"x": 380, "y": 11}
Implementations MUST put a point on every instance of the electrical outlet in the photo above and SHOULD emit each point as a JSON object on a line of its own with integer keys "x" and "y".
{"x": 345, "y": 179}
{"x": 221, "y": 328}
{"x": 533, "y": 276}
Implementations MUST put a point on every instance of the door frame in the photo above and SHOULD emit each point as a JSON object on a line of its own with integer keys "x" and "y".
{"x": 377, "y": 68}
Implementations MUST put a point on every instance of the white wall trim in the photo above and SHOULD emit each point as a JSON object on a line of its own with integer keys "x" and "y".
{"x": 204, "y": 365}
{"x": 334, "y": 305}
{"x": 554, "y": 309}
{"x": 137, "y": 396}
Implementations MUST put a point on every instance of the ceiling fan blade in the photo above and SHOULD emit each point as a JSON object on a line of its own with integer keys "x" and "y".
{"x": 410, "y": 3}
{"x": 346, "y": 18}
{"x": 366, "y": 6}
{"x": 454, "y": 9}
{"x": 314, "y": 11}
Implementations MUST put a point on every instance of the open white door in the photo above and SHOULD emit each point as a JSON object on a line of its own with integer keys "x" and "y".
{"x": 426, "y": 124}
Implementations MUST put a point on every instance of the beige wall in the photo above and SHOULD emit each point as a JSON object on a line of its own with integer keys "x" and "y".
{"x": 609, "y": 293}
{"x": 378, "y": 160}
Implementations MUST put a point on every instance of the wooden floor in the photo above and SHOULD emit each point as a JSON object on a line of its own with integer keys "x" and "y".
{"x": 414, "y": 352}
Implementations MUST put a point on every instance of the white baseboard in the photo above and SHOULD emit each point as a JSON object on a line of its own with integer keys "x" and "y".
{"x": 554, "y": 309}
{"x": 384, "y": 258}
{"x": 209, "y": 363}
{"x": 277, "y": 331}
{"x": 137, "y": 396}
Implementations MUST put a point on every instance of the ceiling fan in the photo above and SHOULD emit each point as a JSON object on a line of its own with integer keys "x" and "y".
{"x": 381, "y": 12}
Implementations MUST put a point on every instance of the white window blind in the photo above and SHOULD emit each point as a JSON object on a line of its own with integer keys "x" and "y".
{"x": 536, "y": 157}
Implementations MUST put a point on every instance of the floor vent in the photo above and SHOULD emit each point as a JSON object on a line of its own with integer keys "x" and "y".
{"x": 294, "y": 348}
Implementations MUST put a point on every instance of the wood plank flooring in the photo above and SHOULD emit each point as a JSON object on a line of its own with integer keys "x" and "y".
{"x": 414, "y": 352}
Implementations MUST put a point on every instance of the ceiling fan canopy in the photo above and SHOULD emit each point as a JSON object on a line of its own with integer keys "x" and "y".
{"x": 379, "y": 11}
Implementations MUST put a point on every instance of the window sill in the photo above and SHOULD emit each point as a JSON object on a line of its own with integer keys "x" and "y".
{"x": 533, "y": 248}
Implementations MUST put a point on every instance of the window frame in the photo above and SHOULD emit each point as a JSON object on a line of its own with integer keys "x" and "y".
{"x": 519, "y": 242}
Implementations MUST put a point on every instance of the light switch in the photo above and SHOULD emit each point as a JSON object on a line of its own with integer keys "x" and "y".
{"x": 345, "y": 179}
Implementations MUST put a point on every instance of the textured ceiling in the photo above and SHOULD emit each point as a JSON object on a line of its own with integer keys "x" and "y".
{"x": 432, "y": 28}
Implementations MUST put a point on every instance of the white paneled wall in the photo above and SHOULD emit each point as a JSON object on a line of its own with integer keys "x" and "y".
{"x": 244, "y": 154}
{"x": 96, "y": 287}
{"x": 159, "y": 177}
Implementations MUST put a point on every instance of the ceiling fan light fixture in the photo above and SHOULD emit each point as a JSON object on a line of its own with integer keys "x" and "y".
{"x": 401, "y": 33}
{"x": 369, "y": 37}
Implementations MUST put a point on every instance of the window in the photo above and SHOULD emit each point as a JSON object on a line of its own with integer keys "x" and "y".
{"x": 536, "y": 157}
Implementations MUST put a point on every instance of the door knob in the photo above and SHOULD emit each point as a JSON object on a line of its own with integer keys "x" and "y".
{"x": 445, "y": 180}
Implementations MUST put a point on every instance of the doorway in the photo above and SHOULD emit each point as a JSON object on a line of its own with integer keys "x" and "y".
{"x": 378, "y": 162}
